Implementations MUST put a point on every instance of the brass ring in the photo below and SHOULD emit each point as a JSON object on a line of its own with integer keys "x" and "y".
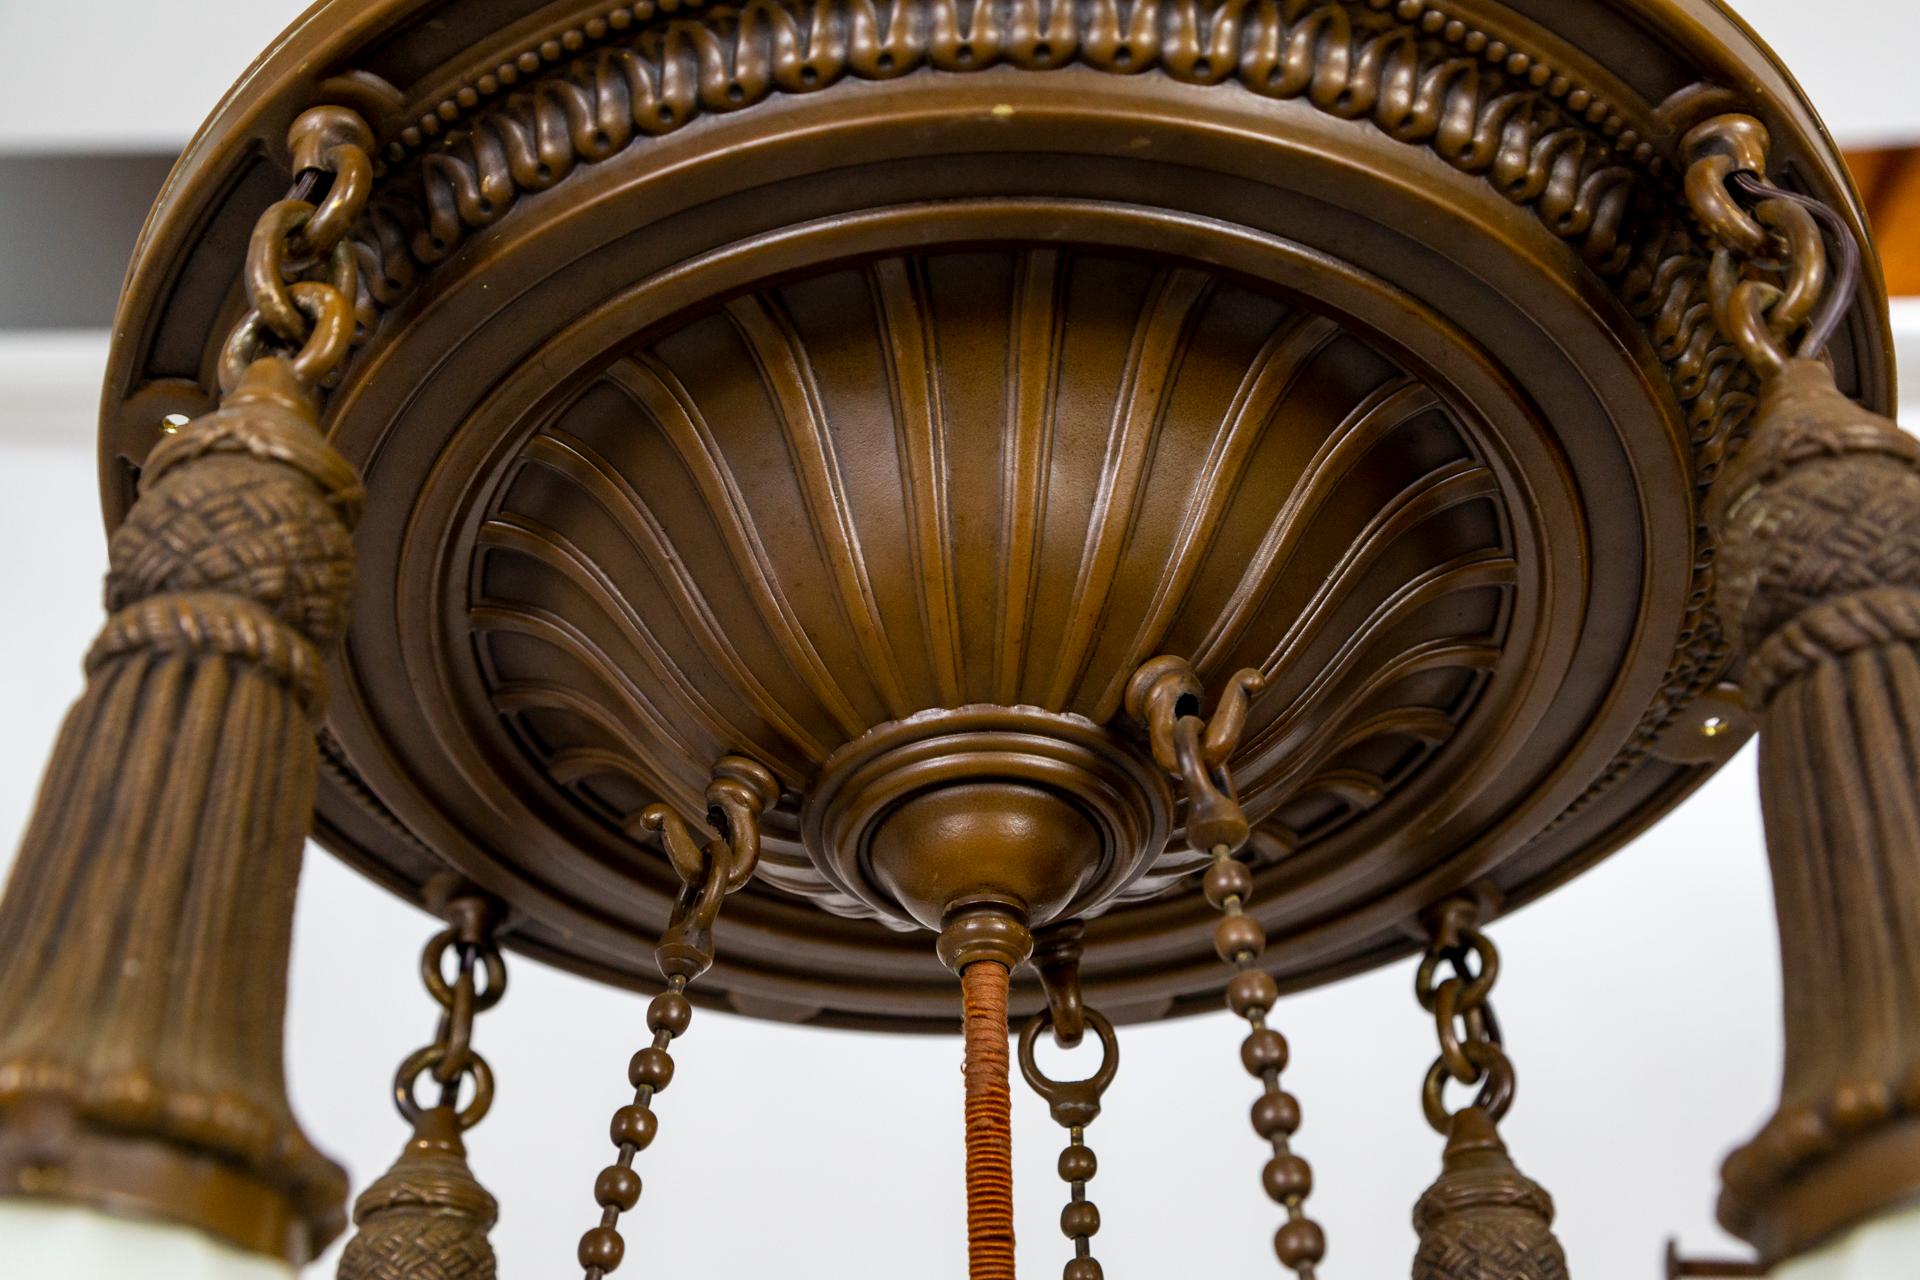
{"x": 698, "y": 905}
{"x": 1495, "y": 1096}
{"x": 423, "y": 1060}
{"x": 456, "y": 1031}
{"x": 264, "y": 274}
{"x": 1806, "y": 260}
{"x": 1479, "y": 985}
{"x": 1742, "y": 314}
{"x": 1446, "y": 1011}
{"x": 434, "y": 956}
{"x": 324, "y": 350}
{"x": 1714, "y": 203}
{"x": 1074, "y": 1103}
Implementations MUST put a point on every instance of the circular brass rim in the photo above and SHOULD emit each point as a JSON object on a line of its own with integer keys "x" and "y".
{"x": 377, "y": 816}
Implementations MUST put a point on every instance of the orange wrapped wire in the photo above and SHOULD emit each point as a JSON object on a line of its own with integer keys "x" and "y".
{"x": 983, "y": 990}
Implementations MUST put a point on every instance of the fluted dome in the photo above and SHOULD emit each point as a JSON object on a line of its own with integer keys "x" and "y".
{"x": 1002, "y": 476}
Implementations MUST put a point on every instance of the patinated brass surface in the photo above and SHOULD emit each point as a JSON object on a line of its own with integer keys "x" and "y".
{"x": 148, "y": 915}
{"x": 427, "y": 1217}
{"x": 1821, "y": 580}
{"x": 1818, "y": 523}
{"x": 739, "y": 379}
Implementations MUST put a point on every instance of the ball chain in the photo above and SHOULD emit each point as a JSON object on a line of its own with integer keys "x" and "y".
{"x": 617, "y": 1188}
{"x": 1081, "y": 1218}
{"x": 1074, "y": 1104}
{"x": 738, "y": 792}
{"x": 1238, "y": 938}
{"x": 1164, "y": 696}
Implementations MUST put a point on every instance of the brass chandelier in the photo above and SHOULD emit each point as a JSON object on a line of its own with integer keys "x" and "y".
{"x": 1097, "y": 507}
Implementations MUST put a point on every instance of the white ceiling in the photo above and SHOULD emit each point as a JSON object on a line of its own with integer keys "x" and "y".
{"x": 152, "y": 71}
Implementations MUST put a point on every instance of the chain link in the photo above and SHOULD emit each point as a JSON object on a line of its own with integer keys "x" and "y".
{"x": 1776, "y": 293}
{"x": 1471, "y": 1049}
{"x": 451, "y": 1058}
{"x": 302, "y": 277}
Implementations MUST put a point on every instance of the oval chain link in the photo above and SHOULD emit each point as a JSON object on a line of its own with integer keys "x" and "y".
{"x": 302, "y": 278}
{"x": 1472, "y": 1051}
{"x": 1771, "y": 275}
{"x": 451, "y": 1057}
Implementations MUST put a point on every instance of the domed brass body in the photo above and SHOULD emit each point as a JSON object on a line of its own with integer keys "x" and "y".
{"x": 760, "y": 379}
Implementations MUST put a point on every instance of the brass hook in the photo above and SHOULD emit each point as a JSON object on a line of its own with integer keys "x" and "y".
{"x": 740, "y": 791}
{"x": 1056, "y": 956}
{"x": 1164, "y": 695}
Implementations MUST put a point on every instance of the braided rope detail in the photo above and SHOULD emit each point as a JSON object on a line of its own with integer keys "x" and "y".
{"x": 1483, "y": 1219}
{"x": 1834, "y": 629}
{"x": 1497, "y": 1245}
{"x": 233, "y": 524}
{"x": 215, "y": 623}
{"x": 268, "y": 430}
{"x": 426, "y": 1218}
{"x": 983, "y": 989}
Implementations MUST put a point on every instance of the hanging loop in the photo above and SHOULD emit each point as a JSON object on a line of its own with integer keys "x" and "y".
{"x": 1472, "y": 1049}
{"x": 1718, "y": 149}
{"x": 1073, "y": 1103}
{"x": 451, "y": 1057}
{"x": 428, "y": 1060}
{"x": 1491, "y": 1066}
{"x": 351, "y": 172}
{"x": 1772, "y": 275}
{"x": 301, "y": 276}
{"x": 491, "y": 962}
{"x": 1830, "y": 230}
{"x": 327, "y": 342}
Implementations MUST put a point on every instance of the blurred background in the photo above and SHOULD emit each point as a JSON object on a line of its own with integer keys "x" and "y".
{"x": 1641, "y": 1004}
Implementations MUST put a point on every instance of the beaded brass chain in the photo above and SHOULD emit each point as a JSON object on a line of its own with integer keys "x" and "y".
{"x": 1074, "y": 1104}
{"x": 1164, "y": 695}
{"x": 740, "y": 791}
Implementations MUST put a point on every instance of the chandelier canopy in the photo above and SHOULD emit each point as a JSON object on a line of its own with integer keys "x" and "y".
{"x": 1212, "y": 497}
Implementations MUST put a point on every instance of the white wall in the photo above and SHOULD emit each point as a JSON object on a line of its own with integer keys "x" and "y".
{"x": 152, "y": 71}
{"x": 1640, "y": 1003}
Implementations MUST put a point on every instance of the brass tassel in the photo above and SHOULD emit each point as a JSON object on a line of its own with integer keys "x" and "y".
{"x": 144, "y": 932}
{"x": 1818, "y": 522}
{"x": 1482, "y": 1219}
{"x": 427, "y": 1217}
